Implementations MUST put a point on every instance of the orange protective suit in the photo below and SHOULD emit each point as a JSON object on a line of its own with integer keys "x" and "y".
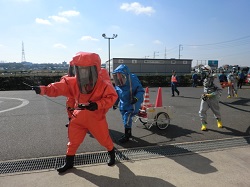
{"x": 105, "y": 75}
{"x": 70, "y": 103}
{"x": 83, "y": 121}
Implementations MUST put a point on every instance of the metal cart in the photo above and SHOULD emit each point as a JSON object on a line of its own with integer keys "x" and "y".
{"x": 159, "y": 116}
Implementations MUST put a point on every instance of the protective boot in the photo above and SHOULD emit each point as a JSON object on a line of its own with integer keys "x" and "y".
{"x": 69, "y": 163}
{"x": 203, "y": 127}
{"x": 126, "y": 136}
{"x": 111, "y": 157}
{"x": 219, "y": 123}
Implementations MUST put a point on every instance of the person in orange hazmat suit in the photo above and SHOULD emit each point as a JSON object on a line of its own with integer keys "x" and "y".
{"x": 70, "y": 103}
{"x": 93, "y": 97}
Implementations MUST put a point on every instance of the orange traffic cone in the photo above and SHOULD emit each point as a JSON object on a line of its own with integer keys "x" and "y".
{"x": 158, "y": 101}
{"x": 146, "y": 98}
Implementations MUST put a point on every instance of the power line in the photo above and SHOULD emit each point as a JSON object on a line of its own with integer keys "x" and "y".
{"x": 220, "y": 42}
{"x": 218, "y": 47}
{"x": 241, "y": 41}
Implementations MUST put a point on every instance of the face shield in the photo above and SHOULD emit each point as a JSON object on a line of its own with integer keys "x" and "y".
{"x": 86, "y": 78}
{"x": 234, "y": 70}
{"x": 71, "y": 71}
{"x": 120, "y": 79}
{"x": 207, "y": 71}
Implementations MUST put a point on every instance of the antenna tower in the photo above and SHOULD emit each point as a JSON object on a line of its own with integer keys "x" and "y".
{"x": 23, "y": 53}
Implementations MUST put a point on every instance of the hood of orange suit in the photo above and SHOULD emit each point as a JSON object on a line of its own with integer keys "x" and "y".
{"x": 87, "y": 59}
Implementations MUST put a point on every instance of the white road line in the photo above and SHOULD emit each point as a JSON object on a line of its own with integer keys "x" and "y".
{"x": 24, "y": 102}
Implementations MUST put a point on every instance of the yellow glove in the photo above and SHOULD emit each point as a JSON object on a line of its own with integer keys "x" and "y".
{"x": 209, "y": 95}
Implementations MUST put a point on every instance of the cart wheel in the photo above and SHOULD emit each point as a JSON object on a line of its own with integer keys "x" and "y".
{"x": 162, "y": 120}
{"x": 143, "y": 120}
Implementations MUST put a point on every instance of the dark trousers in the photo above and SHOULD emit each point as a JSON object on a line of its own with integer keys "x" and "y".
{"x": 240, "y": 82}
{"x": 174, "y": 88}
{"x": 195, "y": 82}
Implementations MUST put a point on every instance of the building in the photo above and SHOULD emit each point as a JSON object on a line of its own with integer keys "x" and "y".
{"x": 152, "y": 67}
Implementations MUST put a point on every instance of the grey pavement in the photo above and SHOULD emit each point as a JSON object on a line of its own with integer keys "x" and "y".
{"x": 228, "y": 167}
{"x": 38, "y": 128}
{"x": 225, "y": 167}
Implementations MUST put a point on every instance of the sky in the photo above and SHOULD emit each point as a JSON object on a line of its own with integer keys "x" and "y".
{"x": 53, "y": 31}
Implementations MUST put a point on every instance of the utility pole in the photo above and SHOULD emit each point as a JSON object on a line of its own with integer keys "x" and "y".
{"x": 23, "y": 53}
{"x": 104, "y": 36}
{"x": 156, "y": 52}
{"x": 180, "y": 49}
{"x": 165, "y": 53}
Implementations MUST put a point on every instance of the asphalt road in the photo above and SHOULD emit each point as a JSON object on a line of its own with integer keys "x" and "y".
{"x": 33, "y": 126}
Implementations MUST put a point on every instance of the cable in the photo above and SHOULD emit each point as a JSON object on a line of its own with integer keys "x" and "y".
{"x": 220, "y": 42}
{"x": 44, "y": 96}
{"x": 54, "y": 101}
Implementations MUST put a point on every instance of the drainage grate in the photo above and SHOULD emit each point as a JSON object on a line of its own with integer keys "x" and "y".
{"x": 121, "y": 155}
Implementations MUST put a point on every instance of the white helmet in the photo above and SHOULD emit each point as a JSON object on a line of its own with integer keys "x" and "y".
{"x": 234, "y": 69}
{"x": 207, "y": 70}
{"x": 207, "y": 67}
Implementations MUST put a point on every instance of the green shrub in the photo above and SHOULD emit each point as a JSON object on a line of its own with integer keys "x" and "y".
{"x": 16, "y": 82}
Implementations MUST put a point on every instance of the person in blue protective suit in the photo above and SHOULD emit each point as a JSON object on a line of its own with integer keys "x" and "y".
{"x": 130, "y": 97}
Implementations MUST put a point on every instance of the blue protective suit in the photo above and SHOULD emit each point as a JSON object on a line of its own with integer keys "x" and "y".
{"x": 132, "y": 88}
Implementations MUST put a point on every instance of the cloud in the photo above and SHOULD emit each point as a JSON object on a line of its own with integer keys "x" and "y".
{"x": 69, "y": 13}
{"x": 59, "y": 19}
{"x": 89, "y": 38}
{"x": 115, "y": 27}
{"x": 157, "y": 42}
{"x": 42, "y": 21}
{"x": 59, "y": 46}
{"x": 137, "y": 8}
